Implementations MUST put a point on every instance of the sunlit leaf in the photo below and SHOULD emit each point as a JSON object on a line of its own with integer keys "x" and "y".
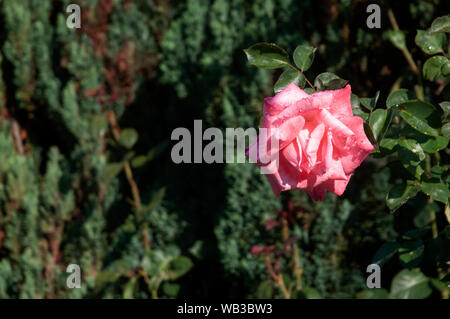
{"x": 379, "y": 122}
{"x": 400, "y": 194}
{"x": 441, "y": 24}
{"x": 267, "y": 56}
{"x": 304, "y": 56}
{"x": 287, "y": 77}
{"x": 329, "y": 81}
{"x": 398, "y": 97}
{"x": 412, "y": 156}
{"x": 370, "y": 102}
{"x": 430, "y": 43}
{"x": 411, "y": 253}
{"x": 410, "y": 284}
{"x": 397, "y": 38}
{"x": 422, "y": 116}
{"x": 433, "y": 67}
{"x": 437, "y": 191}
{"x": 128, "y": 137}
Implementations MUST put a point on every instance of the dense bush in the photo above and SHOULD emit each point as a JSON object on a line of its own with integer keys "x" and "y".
{"x": 86, "y": 174}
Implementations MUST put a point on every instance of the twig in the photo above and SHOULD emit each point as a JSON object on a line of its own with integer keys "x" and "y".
{"x": 301, "y": 72}
{"x": 278, "y": 278}
{"x": 405, "y": 50}
{"x": 129, "y": 175}
{"x": 15, "y": 128}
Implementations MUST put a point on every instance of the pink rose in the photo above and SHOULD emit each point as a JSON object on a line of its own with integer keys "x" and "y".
{"x": 320, "y": 141}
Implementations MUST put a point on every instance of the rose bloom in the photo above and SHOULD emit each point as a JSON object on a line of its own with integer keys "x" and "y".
{"x": 320, "y": 142}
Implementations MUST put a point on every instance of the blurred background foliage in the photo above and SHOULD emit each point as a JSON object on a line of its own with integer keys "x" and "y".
{"x": 86, "y": 175}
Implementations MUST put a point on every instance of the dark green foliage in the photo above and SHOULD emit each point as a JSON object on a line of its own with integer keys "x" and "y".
{"x": 66, "y": 193}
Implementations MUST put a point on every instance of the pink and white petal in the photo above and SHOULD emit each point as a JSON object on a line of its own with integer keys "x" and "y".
{"x": 283, "y": 176}
{"x": 357, "y": 147}
{"x": 288, "y": 130}
{"x": 337, "y": 186}
{"x": 288, "y": 96}
{"x": 322, "y": 100}
{"x": 341, "y": 106}
{"x": 313, "y": 144}
{"x": 337, "y": 126}
{"x": 293, "y": 153}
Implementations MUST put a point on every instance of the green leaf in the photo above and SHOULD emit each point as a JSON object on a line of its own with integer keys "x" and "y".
{"x": 430, "y": 43}
{"x": 422, "y": 116}
{"x": 398, "y": 97}
{"x": 388, "y": 145}
{"x": 178, "y": 267}
{"x": 432, "y": 144}
{"x": 354, "y": 100}
{"x": 397, "y": 38}
{"x": 400, "y": 194}
{"x": 304, "y": 56}
{"x": 445, "y": 70}
{"x": 410, "y": 284}
{"x": 267, "y": 56}
{"x": 385, "y": 253}
{"x": 128, "y": 290}
{"x": 105, "y": 277}
{"x": 311, "y": 293}
{"x": 445, "y": 106}
{"x": 264, "y": 290}
{"x": 287, "y": 77}
{"x": 139, "y": 161}
{"x": 446, "y": 130}
{"x": 370, "y": 102}
{"x": 433, "y": 67}
{"x": 373, "y": 293}
{"x": 370, "y": 135}
{"x": 356, "y": 109}
{"x": 112, "y": 170}
{"x": 128, "y": 137}
{"x": 170, "y": 289}
{"x": 437, "y": 171}
{"x": 439, "y": 285}
{"x": 441, "y": 24}
{"x": 417, "y": 234}
{"x": 379, "y": 122}
{"x": 329, "y": 81}
{"x": 437, "y": 191}
{"x": 411, "y": 253}
{"x": 411, "y": 155}
{"x": 429, "y": 144}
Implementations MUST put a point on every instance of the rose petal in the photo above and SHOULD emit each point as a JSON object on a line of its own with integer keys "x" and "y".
{"x": 313, "y": 144}
{"x": 332, "y": 122}
{"x": 288, "y": 96}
